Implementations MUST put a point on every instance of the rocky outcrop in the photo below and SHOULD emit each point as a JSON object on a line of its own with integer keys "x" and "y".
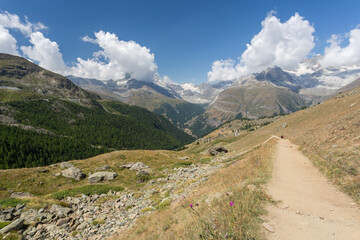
{"x": 73, "y": 172}
{"x": 66, "y": 165}
{"x": 139, "y": 166}
{"x": 15, "y": 225}
{"x": 21, "y": 195}
{"x": 215, "y": 150}
{"x": 60, "y": 211}
{"x": 102, "y": 168}
{"x": 101, "y": 176}
{"x": 135, "y": 166}
{"x": 101, "y": 216}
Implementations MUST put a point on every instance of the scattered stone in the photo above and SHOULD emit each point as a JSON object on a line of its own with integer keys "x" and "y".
{"x": 15, "y": 225}
{"x": 268, "y": 227}
{"x": 127, "y": 166}
{"x": 57, "y": 174}
{"x": 117, "y": 212}
{"x": 138, "y": 166}
{"x": 62, "y": 221}
{"x": 21, "y": 195}
{"x": 60, "y": 211}
{"x": 66, "y": 165}
{"x": 73, "y": 172}
{"x": 20, "y": 206}
{"x": 133, "y": 216}
{"x": 30, "y": 216}
{"x": 215, "y": 150}
{"x": 43, "y": 170}
{"x": 183, "y": 158}
{"x": 82, "y": 226}
{"x": 102, "y": 168}
{"x": 101, "y": 176}
{"x": 334, "y": 146}
{"x": 30, "y": 231}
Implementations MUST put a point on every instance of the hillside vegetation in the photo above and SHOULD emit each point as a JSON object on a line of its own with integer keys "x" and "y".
{"x": 151, "y": 96}
{"x": 45, "y": 118}
{"x": 328, "y": 134}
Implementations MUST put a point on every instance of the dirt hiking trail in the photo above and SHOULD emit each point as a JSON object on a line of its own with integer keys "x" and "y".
{"x": 310, "y": 207}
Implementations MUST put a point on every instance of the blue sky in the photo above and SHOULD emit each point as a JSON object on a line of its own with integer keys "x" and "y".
{"x": 186, "y": 37}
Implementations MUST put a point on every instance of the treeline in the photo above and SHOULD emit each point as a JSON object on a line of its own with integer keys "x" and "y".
{"x": 77, "y": 128}
{"x": 21, "y": 148}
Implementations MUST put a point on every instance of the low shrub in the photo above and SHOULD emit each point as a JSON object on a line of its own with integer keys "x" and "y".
{"x": 11, "y": 202}
{"x": 184, "y": 163}
{"x": 87, "y": 190}
{"x": 4, "y": 224}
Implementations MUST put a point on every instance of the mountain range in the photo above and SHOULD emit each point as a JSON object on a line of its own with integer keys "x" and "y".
{"x": 198, "y": 108}
{"x": 193, "y": 108}
{"x": 45, "y": 118}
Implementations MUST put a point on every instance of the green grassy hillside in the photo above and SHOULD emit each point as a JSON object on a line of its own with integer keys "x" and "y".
{"x": 45, "y": 118}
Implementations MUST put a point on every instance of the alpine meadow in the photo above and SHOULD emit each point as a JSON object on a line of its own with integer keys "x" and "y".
{"x": 179, "y": 120}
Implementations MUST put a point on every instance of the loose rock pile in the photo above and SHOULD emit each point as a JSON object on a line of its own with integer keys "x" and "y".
{"x": 100, "y": 216}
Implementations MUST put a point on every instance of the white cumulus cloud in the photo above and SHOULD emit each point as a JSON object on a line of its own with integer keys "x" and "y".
{"x": 7, "y": 42}
{"x": 281, "y": 44}
{"x": 335, "y": 55}
{"x": 223, "y": 70}
{"x": 115, "y": 59}
{"x": 45, "y": 52}
{"x": 12, "y": 21}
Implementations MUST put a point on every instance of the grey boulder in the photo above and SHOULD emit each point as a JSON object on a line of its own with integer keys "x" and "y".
{"x": 101, "y": 176}
{"x": 66, "y": 165}
{"x": 60, "y": 211}
{"x": 73, "y": 172}
{"x": 21, "y": 195}
{"x": 138, "y": 166}
{"x": 103, "y": 168}
{"x": 15, "y": 225}
{"x": 215, "y": 150}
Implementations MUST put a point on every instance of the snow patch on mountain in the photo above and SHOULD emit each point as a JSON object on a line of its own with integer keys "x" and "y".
{"x": 312, "y": 75}
{"x": 191, "y": 87}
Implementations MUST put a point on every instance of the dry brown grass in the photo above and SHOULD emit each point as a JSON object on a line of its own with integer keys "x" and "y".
{"x": 179, "y": 221}
{"x": 329, "y": 134}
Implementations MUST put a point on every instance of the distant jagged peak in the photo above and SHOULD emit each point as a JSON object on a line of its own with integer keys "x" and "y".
{"x": 274, "y": 73}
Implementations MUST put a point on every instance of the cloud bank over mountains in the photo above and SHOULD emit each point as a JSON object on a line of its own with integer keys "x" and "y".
{"x": 284, "y": 44}
{"x": 115, "y": 59}
{"x": 120, "y": 57}
{"x": 281, "y": 44}
{"x": 335, "y": 55}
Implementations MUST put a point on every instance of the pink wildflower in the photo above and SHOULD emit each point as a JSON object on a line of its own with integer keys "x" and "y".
{"x": 231, "y": 203}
